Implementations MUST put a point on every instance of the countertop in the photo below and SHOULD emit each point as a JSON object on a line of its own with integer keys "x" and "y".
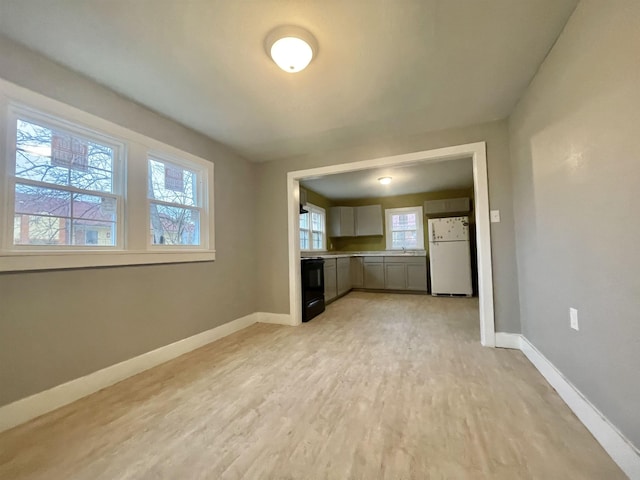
{"x": 378, "y": 253}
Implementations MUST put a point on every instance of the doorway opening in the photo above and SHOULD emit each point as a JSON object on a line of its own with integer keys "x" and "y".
{"x": 475, "y": 151}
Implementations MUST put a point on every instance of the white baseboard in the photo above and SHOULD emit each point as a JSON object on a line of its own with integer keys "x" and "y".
{"x": 508, "y": 340}
{"x": 616, "y": 445}
{"x": 276, "y": 318}
{"x": 33, "y": 406}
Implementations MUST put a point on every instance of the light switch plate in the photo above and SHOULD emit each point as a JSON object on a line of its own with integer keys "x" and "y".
{"x": 495, "y": 216}
{"x": 573, "y": 318}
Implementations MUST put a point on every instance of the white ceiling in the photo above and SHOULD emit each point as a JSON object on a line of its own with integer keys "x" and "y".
{"x": 385, "y": 67}
{"x": 422, "y": 177}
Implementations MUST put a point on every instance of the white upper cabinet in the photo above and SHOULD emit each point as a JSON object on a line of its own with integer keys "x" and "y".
{"x": 368, "y": 220}
{"x": 355, "y": 221}
{"x": 341, "y": 222}
{"x": 447, "y": 205}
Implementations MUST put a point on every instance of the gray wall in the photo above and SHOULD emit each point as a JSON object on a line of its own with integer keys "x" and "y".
{"x": 58, "y": 325}
{"x": 575, "y": 147}
{"x": 273, "y": 295}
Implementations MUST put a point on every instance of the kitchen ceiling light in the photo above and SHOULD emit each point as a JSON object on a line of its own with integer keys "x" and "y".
{"x": 291, "y": 48}
{"x": 385, "y": 180}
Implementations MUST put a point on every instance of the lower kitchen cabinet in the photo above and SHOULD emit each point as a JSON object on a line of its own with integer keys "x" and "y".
{"x": 405, "y": 273}
{"x": 344, "y": 275}
{"x": 357, "y": 272}
{"x": 373, "y": 272}
{"x": 397, "y": 273}
{"x": 330, "y": 279}
{"x": 417, "y": 276}
{"x": 395, "y": 276}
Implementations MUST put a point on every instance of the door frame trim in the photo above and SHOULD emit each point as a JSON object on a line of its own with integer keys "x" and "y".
{"x": 478, "y": 153}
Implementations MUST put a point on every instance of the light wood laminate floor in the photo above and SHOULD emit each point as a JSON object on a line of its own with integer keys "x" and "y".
{"x": 380, "y": 386}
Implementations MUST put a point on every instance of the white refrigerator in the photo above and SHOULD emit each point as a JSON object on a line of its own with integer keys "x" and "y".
{"x": 450, "y": 256}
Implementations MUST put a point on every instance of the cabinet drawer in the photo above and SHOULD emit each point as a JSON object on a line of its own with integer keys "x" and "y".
{"x": 373, "y": 259}
{"x": 406, "y": 260}
{"x": 344, "y": 262}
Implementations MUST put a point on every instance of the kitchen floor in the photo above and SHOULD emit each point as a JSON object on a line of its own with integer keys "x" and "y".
{"x": 380, "y": 386}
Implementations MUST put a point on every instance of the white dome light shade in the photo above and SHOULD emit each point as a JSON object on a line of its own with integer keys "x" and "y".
{"x": 291, "y": 48}
{"x": 385, "y": 180}
{"x": 291, "y": 54}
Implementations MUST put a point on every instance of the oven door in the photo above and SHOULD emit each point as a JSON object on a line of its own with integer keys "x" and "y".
{"x": 312, "y": 288}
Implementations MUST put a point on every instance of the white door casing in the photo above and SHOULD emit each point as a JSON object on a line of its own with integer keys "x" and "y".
{"x": 477, "y": 151}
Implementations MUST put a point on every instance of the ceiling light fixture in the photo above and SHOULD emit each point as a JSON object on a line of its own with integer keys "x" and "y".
{"x": 385, "y": 180}
{"x": 291, "y": 48}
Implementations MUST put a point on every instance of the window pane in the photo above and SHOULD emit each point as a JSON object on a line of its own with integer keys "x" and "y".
{"x": 93, "y": 232}
{"x": 46, "y": 216}
{"x": 174, "y": 225}
{"x": 94, "y": 207}
{"x": 42, "y": 201}
{"x": 17, "y": 229}
{"x": 317, "y": 221}
{"x": 304, "y": 221}
{"x": 93, "y": 179}
{"x": 34, "y": 167}
{"x": 61, "y": 158}
{"x": 406, "y": 239}
{"x": 317, "y": 240}
{"x": 41, "y": 230}
{"x": 304, "y": 239}
{"x": 172, "y": 183}
{"x": 405, "y": 221}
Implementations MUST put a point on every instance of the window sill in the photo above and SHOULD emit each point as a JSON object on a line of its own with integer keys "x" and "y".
{"x": 16, "y": 261}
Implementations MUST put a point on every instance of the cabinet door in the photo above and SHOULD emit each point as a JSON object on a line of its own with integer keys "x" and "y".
{"x": 417, "y": 277}
{"x": 344, "y": 275}
{"x": 435, "y": 207}
{"x": 330, "y": 280}
{"x": 347, "y": 222}
{"x": 395, "y": 276}
{"x": 368, "y": 220}
{"x": 334, "y": 222}
{"x": 341, "y": 222}
{"x": 374, "y": 275}
{"x": 454, "y": 205}
{"x": 357, "y": 272}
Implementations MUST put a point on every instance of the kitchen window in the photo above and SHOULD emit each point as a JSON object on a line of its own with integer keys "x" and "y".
{"x": 313, "y": 234}
{"x": 79, "y": 191}
{"x": 404, "y": 228}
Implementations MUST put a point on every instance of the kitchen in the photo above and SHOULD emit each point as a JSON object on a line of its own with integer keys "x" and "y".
{"x": 344, "y": 244}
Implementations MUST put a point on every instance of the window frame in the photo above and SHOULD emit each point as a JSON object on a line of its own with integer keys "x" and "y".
{"x": 133, "y": 247}
{"x": 201, "y": 195}
{"x": 311, "y": 208}
{"x": 17, "y": 112}
{"x": 389, "y": 212}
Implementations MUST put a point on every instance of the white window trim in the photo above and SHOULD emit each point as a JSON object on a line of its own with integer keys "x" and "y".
{"x": 311, "y": 207}
{"x": 202, "y": 195}
{"x": 420, "y": 231}
{"x": 133, "y": 248}
{"x": 15, "y": 112}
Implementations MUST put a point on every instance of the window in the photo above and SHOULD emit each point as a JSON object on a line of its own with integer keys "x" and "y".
{"x": 174, "y": 203}
{"x": 79, "y": 191}
{"x": 313, "y": 229}
{"x": 64, "y": 181}
{"x": 404, "y": 228}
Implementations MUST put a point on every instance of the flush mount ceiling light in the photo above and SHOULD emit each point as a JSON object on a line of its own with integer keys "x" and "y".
{"x": 385, "y": 180}
{"x": 291, "y": 48}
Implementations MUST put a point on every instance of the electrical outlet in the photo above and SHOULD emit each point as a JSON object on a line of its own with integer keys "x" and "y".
{"x": 573, "y": 318}
{"x": 495, "y": 216}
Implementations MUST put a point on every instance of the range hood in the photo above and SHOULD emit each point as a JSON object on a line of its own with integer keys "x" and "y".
{"x": 303, "y": 201}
